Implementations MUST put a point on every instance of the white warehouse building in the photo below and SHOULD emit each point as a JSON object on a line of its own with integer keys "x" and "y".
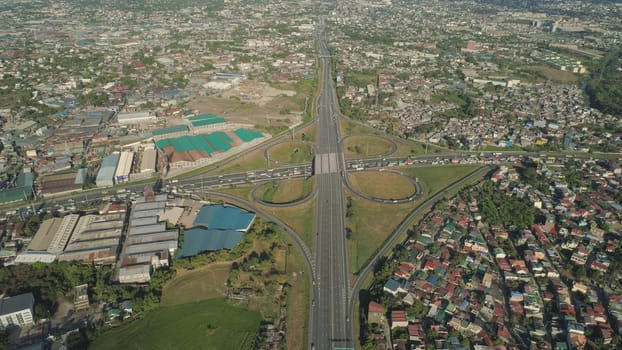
{"x": 128, "y": 118}
{"x": 122, "y": 174}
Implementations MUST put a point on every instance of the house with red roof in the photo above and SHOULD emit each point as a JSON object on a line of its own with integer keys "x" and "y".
{"x": 375, "y": 313}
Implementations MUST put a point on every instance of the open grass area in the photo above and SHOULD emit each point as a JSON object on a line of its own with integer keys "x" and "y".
{"x": 379, "y": 184}
{"x": 366, "y": 146}
{"x": 204, "y": 283}
{"x": 436, "y": 178}
{"x": 250, "y": 161}
{"x": 299, "y": 218}
{"x": 285, "y": 191}
{"x": 240, "y": 191}
{"x": 211, "y": 324}
{"x": 411, "y": 147}
{"x": 297, "y": 320}
{"x": 543, "y": 72}
{"x": 306, "y": 134}
{"x": 291, "y": 153}
{"x": 371, "y": 224}
{"x": 349, "y": 128}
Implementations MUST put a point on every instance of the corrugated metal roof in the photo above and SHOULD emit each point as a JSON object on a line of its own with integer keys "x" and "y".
{"x": 198, "y": 240}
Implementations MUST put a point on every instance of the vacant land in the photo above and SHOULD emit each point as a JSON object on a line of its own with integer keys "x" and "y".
{"x": 436, "y": 178}
{"x": 308, "y": 133}
{"x": 285, "y": 191}
{"x": 250, "y": 161}
{"x": 385, "y": 185}
{"x": 211, "y": 324}
{"x": 204, "y": 283}
{"x": 545, "y": 73}
{"x": 297, "y": 303}
{"x": 366, "y": 146}
{"x": 372, "y": 223}
{"x": 299, "y": 218}
{"x": 240, "y": 191}
{"x": 291, "y": 153}
{"x": 350, "y": 128}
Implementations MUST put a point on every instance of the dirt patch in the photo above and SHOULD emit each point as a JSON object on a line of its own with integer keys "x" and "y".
{"x": 250, "y": 103}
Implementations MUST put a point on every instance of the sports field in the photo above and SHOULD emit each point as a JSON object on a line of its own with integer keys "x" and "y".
{"x": 211, "y": 324}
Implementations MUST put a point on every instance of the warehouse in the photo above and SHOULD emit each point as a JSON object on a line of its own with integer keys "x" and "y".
{"x": 105, "y": 176}
{"x": 154, "y": 247}
{"x": 124, "y": 166}
{"x": 53, "y": 234}
{"x": 129, "y": 118}
{"x": 148, "y": 163}
{"x": 135, "y": 274}
{"x": 146, "y": 229}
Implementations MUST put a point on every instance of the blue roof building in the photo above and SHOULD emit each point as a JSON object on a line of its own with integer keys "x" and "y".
{"x": 220, "y": 217}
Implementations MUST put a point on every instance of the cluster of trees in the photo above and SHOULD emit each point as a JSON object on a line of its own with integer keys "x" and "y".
{"x": 497, "y": 208}
{"x": 604, "y": 88}
{"x": 51, "y": 282}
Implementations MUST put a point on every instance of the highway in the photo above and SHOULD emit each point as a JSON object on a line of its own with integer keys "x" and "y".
{"x": 331, "y": 326}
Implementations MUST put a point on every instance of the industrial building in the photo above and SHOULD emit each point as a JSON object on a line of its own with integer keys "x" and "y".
{"x": 216, "y": 227}
{"x": 129, "y": 118}
{"x": 148, "y": 162}
{"x": 105, "y": 176}
{"x": 62, "y": 183}
{"x": 149, "y": 244}
{"x": 124, "y": 166}
{"x": 17, "y": 310}
{"x": 95, "y": 240}
{"x": 49, "y": 241}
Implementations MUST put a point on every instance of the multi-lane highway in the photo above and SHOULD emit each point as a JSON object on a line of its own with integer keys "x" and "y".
{"x": 331, "y": 326}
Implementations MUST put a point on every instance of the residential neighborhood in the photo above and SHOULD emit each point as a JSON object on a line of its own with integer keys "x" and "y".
{"x": 462, "y": 278}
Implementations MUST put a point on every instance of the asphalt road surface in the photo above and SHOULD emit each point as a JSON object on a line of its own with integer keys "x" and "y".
{"x": 331, "y": 324}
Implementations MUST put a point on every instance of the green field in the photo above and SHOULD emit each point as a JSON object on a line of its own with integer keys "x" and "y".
{"x": 372, "y": 223}
{"x": 299, "y": 218}
{"x": 385, "y": 185}
{"x": 436, "y": 178}
{"x": 366, "y": 146}
{"x": 350, "y": 128}
{"x": 285, "y": 191}
{"x": 195, "y": 285}
{"x": 250, "y": 161}
{"x": 291, "y": 153}
{"x": 211, "y": 324}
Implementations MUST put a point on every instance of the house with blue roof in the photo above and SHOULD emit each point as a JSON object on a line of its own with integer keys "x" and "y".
{"x": 391, "y": 286}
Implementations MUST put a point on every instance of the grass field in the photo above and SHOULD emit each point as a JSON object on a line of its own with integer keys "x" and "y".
{"x": 349, "y": 128}
{"x": 436, "y": 178}
{"x": 366, "y": 146}
{"x": 297, "y": 304}
{"x": 285, "y": 191}
{"x": 291, "y": 153}
{"x": 299, "y": 218}
{"x": 211, "y": 324}
{"x": 372, "y": 223}
{"x": 307, "y": 134}
{"x": 204, "y": 283}
{"x": 240, "y": 191}
{"x": 385, "y": 185}
{"x": 249, "y": 161}
{"x": 409, "y": 147}
{"x": 545, "y": 73}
